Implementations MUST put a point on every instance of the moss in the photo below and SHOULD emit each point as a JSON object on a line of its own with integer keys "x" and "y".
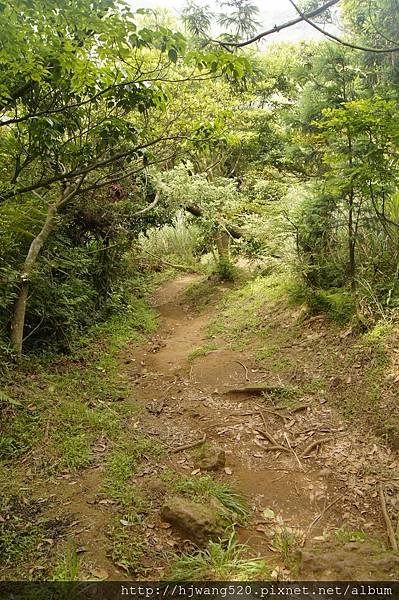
{"x": 201, "y": 351}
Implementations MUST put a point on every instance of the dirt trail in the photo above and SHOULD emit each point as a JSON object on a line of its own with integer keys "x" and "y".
{"x": 202, "y": 407}
{"x": 185, "y": 399}
{"x": 309, "y": 495}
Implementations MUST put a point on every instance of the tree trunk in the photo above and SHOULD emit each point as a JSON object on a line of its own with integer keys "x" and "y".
{"x": 18, "y": 319}
{"x": 222, "y": 241}
{"x": 351, "y": 243}
{"x": 351, "y": 228}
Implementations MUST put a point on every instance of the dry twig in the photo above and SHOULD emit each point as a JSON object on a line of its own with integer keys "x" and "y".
{"x": 293, "y": 451}
{"x": 191, "y": 445}
{"x": 323, "y": 512}
{"x": 270, "y": 438}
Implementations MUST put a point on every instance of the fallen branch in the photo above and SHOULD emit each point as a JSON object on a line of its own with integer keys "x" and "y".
{"x": 254, "y": 389}
{"x": 191, "y": 445}
{"x": 268, "y": 436}
{"x": 279, "y": 448}
{"x": 314, "y": 445}
{"x": 293, "y": 451}
{"x": 388, "y": 523}
{"x": 168, "y": 263}
{"x": 276, "y": 414}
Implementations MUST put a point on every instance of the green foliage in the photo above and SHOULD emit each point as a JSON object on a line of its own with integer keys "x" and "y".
{"x": 180, "y": 242}
{"x": 225, "y": 270}
{"x": 200, "y": 293}
{"x": 338, "y": 304}
{"x": 288, "y": 542}
{"x": 74, "y": 402}
{"x": 343, "y": 535}
{"x": 127, "y": 548}
{"x": 242, "y": 316}
{"x": 221, "y": 561}
{"x": 67, "y": 567}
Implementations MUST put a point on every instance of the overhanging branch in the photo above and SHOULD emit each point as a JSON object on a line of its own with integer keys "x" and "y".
{"x": 277, "y": 28}
{"x": 340, "y": 40}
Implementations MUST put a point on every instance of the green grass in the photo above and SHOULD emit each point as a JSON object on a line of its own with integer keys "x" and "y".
{"x": 120, "y": 466}
{"x": 344, "y": 535}
{"x": 127, "y": 547}
{"x": 242, "y": 314}
{"x": 201, "y": 351}
{"x": 201, "y": 489}
{"x": 25, "y": 532}
{"x": 63, "y": 406}
{"x": 288, "y": 543}
{"x": 223, "y": 561}
{"x": 67, "y": 566}
{"x": 226, "y": 270}
{"x": 200, "y": 293}
{"x": 178, "y": 242}
{"x": 339, "y": 304}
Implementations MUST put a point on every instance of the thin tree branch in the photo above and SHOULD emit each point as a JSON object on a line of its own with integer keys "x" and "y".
{"x": 277, "y": 28}
{"x": 147, "y": 209}
{"x": 340, "y": 40}
{"x": 94, "y": 166}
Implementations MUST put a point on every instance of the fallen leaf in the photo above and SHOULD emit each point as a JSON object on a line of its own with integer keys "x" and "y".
{"x": 228, "y": 471}
{"x": 268, "y": 513}
{"x": 164, "y": 525}
{"x": 99, "y": 573}
{"x": 124, "y": 522}
{"x": 99, "y": 448}
{"x": 196, "y": 471}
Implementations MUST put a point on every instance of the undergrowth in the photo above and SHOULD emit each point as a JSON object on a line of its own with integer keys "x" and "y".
{"x": 121, "y": 464}
{"x": 242, "y": 316}
{"x": 60, "y": 413}
{"x": 224, "y": 561}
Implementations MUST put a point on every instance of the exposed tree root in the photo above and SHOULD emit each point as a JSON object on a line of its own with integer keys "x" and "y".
{"x": 388, "y": 522}
{"x": 188, "y": 446}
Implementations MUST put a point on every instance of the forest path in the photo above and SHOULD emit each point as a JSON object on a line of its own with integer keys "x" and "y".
{"x": 319, "y": 505}
{"x": 184, "y": 376}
